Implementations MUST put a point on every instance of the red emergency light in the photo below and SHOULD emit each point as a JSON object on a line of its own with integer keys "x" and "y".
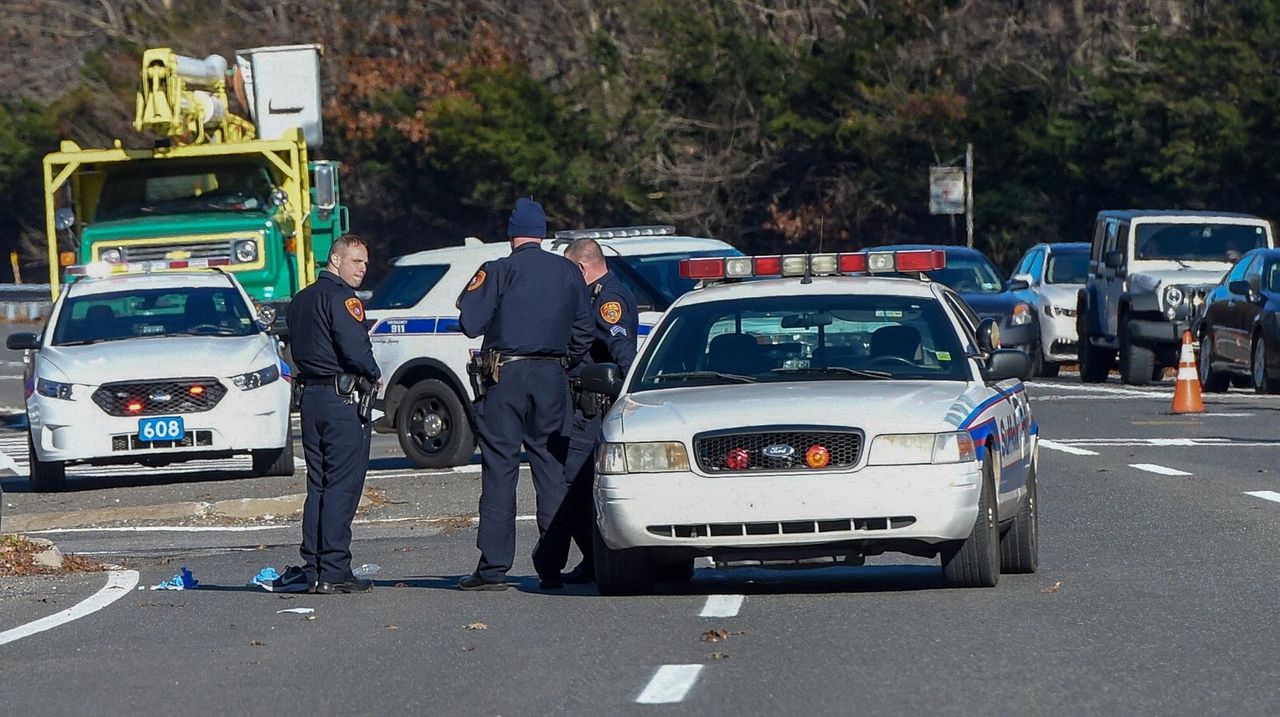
{"x": 103, "y": 268}
{"x": 908, "y": 261}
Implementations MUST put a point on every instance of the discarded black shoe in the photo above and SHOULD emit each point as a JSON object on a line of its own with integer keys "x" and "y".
{"x": 475, "y": 582}
{"x": 351, "y": 585}
{"x": 580, "y": 576}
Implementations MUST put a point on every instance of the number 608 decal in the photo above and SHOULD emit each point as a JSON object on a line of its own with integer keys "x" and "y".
{"x": 161, "y": 428}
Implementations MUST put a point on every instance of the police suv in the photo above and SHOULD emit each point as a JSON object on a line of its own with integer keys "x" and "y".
{"x": 425, "y": 396}
{"x": 153, "y": 368}
{"x": 816, "y": 417}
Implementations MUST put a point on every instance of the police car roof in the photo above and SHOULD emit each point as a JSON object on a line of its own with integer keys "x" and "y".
{"x": 860, "y": 285}
{"x": 474, "y": 252}
{"x": 1175, "y": 215}
{"x": 194, "y": 279}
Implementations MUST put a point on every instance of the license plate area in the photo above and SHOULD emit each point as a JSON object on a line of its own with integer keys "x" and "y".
{"x": 161, "y": 428}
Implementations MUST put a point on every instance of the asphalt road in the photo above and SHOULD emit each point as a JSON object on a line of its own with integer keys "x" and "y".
{"x": 1156, "y": 595}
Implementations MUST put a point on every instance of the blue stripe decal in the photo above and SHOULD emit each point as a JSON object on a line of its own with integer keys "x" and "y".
{"x": 1000, "y": 396}
{"x": 643, "y": 330}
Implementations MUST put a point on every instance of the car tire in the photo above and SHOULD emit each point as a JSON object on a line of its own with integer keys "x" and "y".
{"x": 1020, "y": 543}
{"x": 975, "y": 561}
{"x": 1049, "y": 369}
{"x": 622, "y": 572}
{"x": 1258, "y": 368}
{"x": 275, "y": 461}
{"x": 1210, "y": 381}
{"x": 46, "y": 476}
{"x": 1137, "y": 362}
{"x": 677, "y": 570}
{"x": 433, "y": 426}
{"x": 1095, "y": 362}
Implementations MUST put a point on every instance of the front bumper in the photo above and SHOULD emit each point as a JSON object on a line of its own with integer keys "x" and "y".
{"x": 78, "y": 431}
{"x": 1058, "y": 337}
{"x": 1146, "y": 331}
{"x": 928, "y": 503}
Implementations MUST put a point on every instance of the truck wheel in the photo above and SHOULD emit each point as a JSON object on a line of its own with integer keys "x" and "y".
{"x": 975, "y": 561}
{"x": 1020, "y": 544}
{"x": 1210, "y": 381}
{"x": 46, "y": 476}
{"x": 622, "y": 572}
{"x": 1258, "y": 371}
{"x": 1095, "y": 362}
{"x": 1137, "y": 362}
{"x": 433, "y": 427}
{"x": 275, "y": 461}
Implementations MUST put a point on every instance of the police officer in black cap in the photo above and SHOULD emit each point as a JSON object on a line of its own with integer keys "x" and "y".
{"x": 533, "y": 311}
{"x": 336, "y": 369}
{"x": 616, "y": 320}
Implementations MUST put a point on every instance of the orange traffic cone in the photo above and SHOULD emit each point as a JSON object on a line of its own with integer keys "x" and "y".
{"x": 1186, "y": 392}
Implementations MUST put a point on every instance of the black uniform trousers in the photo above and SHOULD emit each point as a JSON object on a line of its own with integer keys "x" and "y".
{"x": 528, "y": 404}
{"x": 336, "y": 445}
{"x": 576, "y": 517}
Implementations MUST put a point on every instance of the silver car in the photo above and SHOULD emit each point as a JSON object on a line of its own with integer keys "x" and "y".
{"x": 1054, "y": 273}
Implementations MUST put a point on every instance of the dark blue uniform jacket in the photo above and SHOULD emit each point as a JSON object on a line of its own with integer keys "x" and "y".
{"x": 613, "y": 311}
{"x": 327, "y": 335}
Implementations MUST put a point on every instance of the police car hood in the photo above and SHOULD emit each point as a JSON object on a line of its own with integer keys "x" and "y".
{"x": 874, "y": 406}
{"x": 159, "y": 357}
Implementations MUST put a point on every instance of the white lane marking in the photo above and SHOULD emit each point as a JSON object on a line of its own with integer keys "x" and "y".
{"x": 1055, "y": 446}
{"x": 1264, "y": 494}
{"x": 119, "y": 583}
{"x": 1172, "y": 442}
{"x": 164, "y": 529}
{"x": 7, "y": 463}
{"x": 669, "y": 684}
{"x": 1199, "y": 442}
{"x": 1162, "y": 470}
{"x": 722, "y": 606}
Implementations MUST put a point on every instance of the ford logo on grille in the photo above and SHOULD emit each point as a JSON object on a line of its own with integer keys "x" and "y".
{"x": 778, "y": 450}
{"x": 159, "y": 397}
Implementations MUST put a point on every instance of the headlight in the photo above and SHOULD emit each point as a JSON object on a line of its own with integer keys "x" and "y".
{"x": 53, "y": 389}
{"x": 641, "y": 458}
{"x": 1053, "y": 310}
{"x": 1173, "y": 295}
{"x": 896, "y": 449}
{"x": 254, "y": 379}
{"x": 111, "y": 256}
{"x": 246, "y": 251}
{"x": 1021, "y": 315}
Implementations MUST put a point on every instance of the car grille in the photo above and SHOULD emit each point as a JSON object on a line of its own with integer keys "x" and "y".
{"x": 219, "y": 249}
{"x": 159, "y": 398}
{"x": 789, "y": 527}
{"x": 712, "y": 449}
{"x": 131, "y": 441}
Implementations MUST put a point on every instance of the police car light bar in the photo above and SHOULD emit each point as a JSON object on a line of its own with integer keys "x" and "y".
{"x": 862, "y": 262}
{"x": 101, "y": 268}
{"x": 616, "y": 232}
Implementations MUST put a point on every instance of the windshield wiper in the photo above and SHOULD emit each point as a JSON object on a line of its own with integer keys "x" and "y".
{"x": 728, "y": 377}
{"x": 79, "y": 342}
{"x": 842, "y": 370}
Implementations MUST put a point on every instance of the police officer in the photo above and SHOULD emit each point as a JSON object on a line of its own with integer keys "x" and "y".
{"x": 532, "y": 308}
{"x": 615, "y": 319}
{"x": 328, "y": 339}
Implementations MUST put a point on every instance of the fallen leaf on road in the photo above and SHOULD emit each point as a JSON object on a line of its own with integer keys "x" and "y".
{"x": 257, "y": 643}
{"x": 719, "y": 634}
{"x": 261, "y": 546}
{"x": 468, "y": 649}
{"x": 392, "y": 627}
{"x": 476, "y": 626}
{"x": 1055, "y": 587}
{"x": 309, "y": 617}
{"x": 718, "y": 656}
{"x": 404, "y": 550}
{"x": 401, "y": 585}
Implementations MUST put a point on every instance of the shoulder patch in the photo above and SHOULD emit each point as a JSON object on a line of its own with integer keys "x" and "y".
{"x": 611, "y": 311}
{"x": 476, "y": 280}
{"x": 355, "y": 308}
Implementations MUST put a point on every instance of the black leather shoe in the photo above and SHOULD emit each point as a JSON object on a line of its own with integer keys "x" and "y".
{"x": 551, "y": 581}
{"x": 475, "y": 582}
{"x": 580, "y": 576}
{"x": 352, "y": 585}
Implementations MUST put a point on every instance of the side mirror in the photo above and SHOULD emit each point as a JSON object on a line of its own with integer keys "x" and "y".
{"x": 64, "y": 219}
{"x": 1005, "y": 364}
{"x": 1239, "y": 287}
{"x": 326, "y": 184}
{"x": 22, "y": 342}
{"x": 1018, "y": 282}
{"x": 1113, "y": 259}
{"x": 988, "y": 336}
{"x": 603, "y": 378}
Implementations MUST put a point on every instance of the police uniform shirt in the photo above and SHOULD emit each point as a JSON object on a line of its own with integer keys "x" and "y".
{"x": 613, "y": 307}
{"x": 529, "y": 303}
{"x": 327, "y": 335}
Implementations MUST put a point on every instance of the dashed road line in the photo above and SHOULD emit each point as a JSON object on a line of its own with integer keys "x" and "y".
{"x": 669, "y": 684}
{"x": 722, "y": 606}
{"x": 1158, "y": 469}
{"x": 119, "y": 583}
{"x": 1055, "y": 446}
{"x": 1264, "y": 494}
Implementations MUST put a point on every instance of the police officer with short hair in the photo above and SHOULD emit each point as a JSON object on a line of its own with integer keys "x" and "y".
{"x": 332, "y": 352}
{"x": 532, "y": 308}
{"x": 615, "y": 323}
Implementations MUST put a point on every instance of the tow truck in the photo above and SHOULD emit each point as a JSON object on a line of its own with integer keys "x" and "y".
{"x": 214, "y": 188}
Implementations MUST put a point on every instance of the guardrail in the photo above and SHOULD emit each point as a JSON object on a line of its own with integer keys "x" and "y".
{"x": 24, "y": 302}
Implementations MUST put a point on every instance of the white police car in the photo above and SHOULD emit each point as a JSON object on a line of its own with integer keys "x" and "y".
{"x": 419, "y": 346}
{"x": 153, "y": 368}
{"x": 816, "y": 418}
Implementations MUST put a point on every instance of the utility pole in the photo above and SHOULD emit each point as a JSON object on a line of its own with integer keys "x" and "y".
{"x": 968, "y": 194}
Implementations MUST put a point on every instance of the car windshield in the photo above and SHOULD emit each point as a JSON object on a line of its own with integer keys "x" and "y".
{"x": 969, "y": 274}
{"x": 661, "y": 272}
{"x": 405, "y": 285}
{"x": 1067, "y": 268}
{"x": 1197, "y": 242}
{"x": 152, "y": 189}
{"x": 802, "y": 338}
{"x": 147, "y": 313}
